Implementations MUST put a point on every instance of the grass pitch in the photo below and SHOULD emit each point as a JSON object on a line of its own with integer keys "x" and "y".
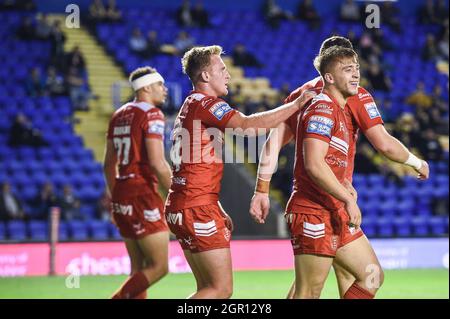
{"x": 408, "y": 283}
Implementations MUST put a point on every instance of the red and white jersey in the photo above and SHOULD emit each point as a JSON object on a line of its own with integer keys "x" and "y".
{"x": 128, "y": 128}
{"x": 196, "y": 165}
{"x": 325, "y": 120}
{"x": 361, "y": 113}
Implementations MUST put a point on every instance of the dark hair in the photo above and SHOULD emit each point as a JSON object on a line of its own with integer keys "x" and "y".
{"x": 139, "y": 72}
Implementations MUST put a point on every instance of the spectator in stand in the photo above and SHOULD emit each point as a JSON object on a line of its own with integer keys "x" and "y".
{"x": 103, "y": 208}
{"x": 70, "y": 205}
{"x": 429, "y": 146}
{"x": 274, "y": 14}
{"x": 184, "y": 14}
{"x": 10, "y": 205}
{"x": 443, "y": 46}
{"x": 35, "y": 84}
{"x": 57, "y": 39}
{"x": 97, "y": 11}
{"x": 183, "y": 43}
{"x": 44, "y": 201}
{"x": 153, "y": 47}
{"x": 441, "y": 11}
{"x": 75, "y": 59}
{"x": 137, "y": 42}
{"x": 427, "y": 13}
{"x": 378, "y": 79}
{"x": 78, "y": 90}
{"x": 430, "y": 50}
{"x": 200, "y": 15}
{"x": 419, "y": 97}
{"x": 26, "y": 30}
{"x": 43, "y": 27}
{"x": 307, "y": 12}
{"x": 22, "y": 133}
{"x": 54, "y": 83}
{"x": 241, "y": 57}
{"x": 350, "y": 11}
{"x": 389, "y": 14}
{"x": 112, "y": 13}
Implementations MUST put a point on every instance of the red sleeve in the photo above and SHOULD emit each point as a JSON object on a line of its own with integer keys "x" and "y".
{"x": 153, "y": 125}
{"x": 319, "y": 121}
{"x": 215, "y": 113}
{"x": 365, "y": 111}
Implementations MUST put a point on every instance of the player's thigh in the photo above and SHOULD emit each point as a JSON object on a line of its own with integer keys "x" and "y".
{"x": 359, "y": 258}
{"x": 215, "y": 266}
{"x": 199, "y": 277}
{"x": 311, "y": 270}
{"x": 155, "y": 247}
{"x": 137, "y": 258}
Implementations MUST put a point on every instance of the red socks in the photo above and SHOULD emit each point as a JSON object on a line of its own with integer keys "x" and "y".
{"x": 357, "y": 292}
{"x": 135, "y": 287}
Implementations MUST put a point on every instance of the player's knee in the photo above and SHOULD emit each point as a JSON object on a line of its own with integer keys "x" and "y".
{"x": 226, "y": 292}
{"x": 311, "y": 291}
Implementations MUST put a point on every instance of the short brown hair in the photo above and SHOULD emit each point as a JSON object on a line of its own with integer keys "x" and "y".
{"x": 335, "y": 40}
{"x": 198, "y": 58}
{"x": 324, "y": 61}
{"x": 139, "y": 72}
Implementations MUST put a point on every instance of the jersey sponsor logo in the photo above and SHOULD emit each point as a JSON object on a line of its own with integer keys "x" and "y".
{"x": 156, "y": 127}
{"x": 179, "y": 180}
{"x": 372, "y": 110}
{"x": 321, "y": 97}
{"x": 334, "y": 161}
{"x": 363, "y": 95}
{"x": 152, "y": 215}
{"x": 320, "y": 125}
{"x": 121, "y": 130}
{"x": 205, "y": 229}
{"x": 197, "y": 96}
{"x": 122, "y": 209}
{"x": 174, "y": 218}
{"x": 138, "y": 229}
{"x": 220, "y": 109}
{"x": 313, "y": 230}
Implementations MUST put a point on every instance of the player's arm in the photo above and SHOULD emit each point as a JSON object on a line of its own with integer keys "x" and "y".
{"x": 260, "y": 203}
{"x": 394, "y": 150}
{"x": 157, "y": 161}
{"x": 314, "y": 151}
{"x": 268, "y": 119}
{"x": 110, "y": 165}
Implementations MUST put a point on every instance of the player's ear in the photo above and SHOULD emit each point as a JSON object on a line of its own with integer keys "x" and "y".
{"x": 329, "y": 78}
{"x": 204, "y": 76}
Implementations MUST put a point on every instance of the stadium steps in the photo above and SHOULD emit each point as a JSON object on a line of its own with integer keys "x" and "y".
{"x": 103, "y": 72}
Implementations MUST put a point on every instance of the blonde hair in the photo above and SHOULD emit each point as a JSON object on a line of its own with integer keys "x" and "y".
{"x": 198, "y": 58}
{"x": 139, "y": 72}
{"x": 326, "y": 59}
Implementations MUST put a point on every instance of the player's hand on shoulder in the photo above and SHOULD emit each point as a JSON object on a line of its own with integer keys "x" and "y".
{"x": 424, "y": 171}
{"x": 259, "y": 207}
{"x": 303, "y": 99}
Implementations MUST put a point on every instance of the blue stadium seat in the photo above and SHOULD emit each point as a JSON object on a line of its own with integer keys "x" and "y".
{"x": 16, "y": 230}
{"x": 114, "y": 232}
{"x": 439, "y": 225}
{"x": 63, "y": 231}
{"x": 369, "y": 226}
{"x": 420, "y": 226}
{"x": 78, "y": 230}
{"x": 98, "y": 229}
{"x": 385, "y": 227}
{"x": 38, "y": 230}
{"x": 402, "y": 227}
{"x": 2, "y": 231}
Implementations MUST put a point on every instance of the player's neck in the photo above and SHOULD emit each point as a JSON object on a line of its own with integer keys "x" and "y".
{"x": 336, "y": 95}
{"x": 200, "y": 87}
{"x": 144, "y": 98}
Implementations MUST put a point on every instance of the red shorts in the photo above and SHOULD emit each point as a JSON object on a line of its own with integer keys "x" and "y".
{"x": 199, "y": 228}
{"x": 320, "y": 233}
{"x": 139, "y": 216}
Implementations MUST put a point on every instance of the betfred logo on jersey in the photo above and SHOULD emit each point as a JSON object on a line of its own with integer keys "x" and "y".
{"x": 220, "y": 109}
{"x": 320, "y": 125}
{"x": 372, "y": 110}
{"x": 156, "y": 127}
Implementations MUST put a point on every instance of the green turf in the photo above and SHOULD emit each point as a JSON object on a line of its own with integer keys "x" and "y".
{"x": 411, "y": 283}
